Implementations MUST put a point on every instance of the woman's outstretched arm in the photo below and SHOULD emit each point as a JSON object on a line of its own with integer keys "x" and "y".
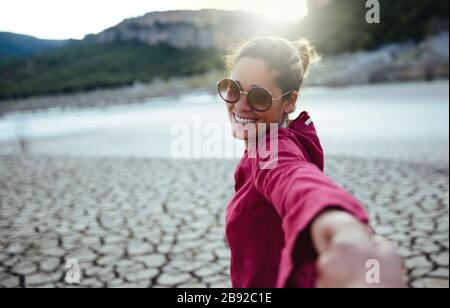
{"x": 351, "y": 256}
{"x": 321, "y": 221}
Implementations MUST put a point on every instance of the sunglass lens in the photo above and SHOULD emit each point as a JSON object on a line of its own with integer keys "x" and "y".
{"x": 229, "y": 91}
{"x": 260, "y": 99}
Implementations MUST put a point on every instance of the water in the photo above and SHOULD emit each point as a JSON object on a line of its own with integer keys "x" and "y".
{"x": 397, "y": 121}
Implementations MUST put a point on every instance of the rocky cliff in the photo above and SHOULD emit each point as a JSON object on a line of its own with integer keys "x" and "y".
{"x": 196, "y": 29}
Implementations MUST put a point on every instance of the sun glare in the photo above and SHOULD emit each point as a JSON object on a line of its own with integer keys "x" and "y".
{"x": 281, "y": 10}
{"x": 289, "y": 11}
{"x": 76, "y": 18}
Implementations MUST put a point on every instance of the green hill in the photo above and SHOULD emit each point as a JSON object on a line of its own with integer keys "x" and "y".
{"x": 338, "y": 26}
{"x": 17, "y": 45}
{"x": 80, "y": 66}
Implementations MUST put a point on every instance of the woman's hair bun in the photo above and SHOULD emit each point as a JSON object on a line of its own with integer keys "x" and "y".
{"x": 307, "y": 52}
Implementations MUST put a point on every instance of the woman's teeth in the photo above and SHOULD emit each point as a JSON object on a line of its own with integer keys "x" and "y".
{"x": 243, "y": 120}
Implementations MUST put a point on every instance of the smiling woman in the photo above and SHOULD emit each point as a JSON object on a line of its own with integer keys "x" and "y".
{"x": 288, "y": 224}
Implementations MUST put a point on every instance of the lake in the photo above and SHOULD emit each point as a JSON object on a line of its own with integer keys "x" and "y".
{"x": 408, "y": 122}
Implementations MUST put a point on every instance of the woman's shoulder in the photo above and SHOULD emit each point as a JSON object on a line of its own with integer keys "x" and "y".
{"x": 288, "y": 142}
{"x": 282, "y": 146}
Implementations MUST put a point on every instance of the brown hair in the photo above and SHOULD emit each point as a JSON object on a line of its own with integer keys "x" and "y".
{"x": 289, "y": 60}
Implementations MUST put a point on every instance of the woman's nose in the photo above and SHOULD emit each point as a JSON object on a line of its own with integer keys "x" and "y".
{"x": 243, "y": 104}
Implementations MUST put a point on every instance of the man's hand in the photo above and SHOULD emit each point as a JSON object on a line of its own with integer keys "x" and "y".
{"x": 351, "y": 256}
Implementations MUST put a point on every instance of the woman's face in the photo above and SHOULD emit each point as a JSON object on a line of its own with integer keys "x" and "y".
{"x": 249, "y": 73}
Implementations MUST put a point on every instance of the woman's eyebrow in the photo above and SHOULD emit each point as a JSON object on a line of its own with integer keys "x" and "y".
{"x": 253, "y": 85}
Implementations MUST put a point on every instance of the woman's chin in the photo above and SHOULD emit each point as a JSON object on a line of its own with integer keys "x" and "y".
{"x": 239, "y": 136}
{"x": 243, "y": 131}
{"x": 243, "y": 135}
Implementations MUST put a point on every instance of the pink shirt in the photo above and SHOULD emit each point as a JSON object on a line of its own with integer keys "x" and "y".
{"x": 268, "y": 218}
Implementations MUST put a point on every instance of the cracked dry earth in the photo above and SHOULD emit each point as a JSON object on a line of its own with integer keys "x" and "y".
{"x": 160, "y": 223}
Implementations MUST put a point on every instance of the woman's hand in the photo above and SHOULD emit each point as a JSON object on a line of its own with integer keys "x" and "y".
{"x": 351, "y": 256}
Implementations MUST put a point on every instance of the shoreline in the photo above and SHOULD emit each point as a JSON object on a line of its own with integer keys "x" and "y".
{"x": 438, "y": 167}
{"x": 136, "y": 94}
{"x": 139, "y": 94}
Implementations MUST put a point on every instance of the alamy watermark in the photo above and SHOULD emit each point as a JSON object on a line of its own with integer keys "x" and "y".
{"x": 373, "y": 273}
{"x": 205, "y": 140}
{"x": 73, "y": 274}
{"x": 373, "y": 15}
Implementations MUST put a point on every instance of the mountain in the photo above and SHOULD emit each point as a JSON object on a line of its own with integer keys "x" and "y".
{"x": 338, "y": 26}
{"x": 186, "y": 43}
{"x": 12, "y": 45}
{"x": 156, "y": 45}
{"x": 335, "y": 26}
{"x": 82, "y": 67}
{"x": 191, "y": 29}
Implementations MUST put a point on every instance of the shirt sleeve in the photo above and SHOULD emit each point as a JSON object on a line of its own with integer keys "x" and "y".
{"x": 299, "y": 191}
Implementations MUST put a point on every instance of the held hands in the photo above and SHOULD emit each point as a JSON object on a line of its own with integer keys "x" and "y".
{"x": 350, "y": 256}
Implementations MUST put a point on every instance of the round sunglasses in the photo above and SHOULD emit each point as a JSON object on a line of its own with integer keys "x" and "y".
{"x": 259, "y": 98}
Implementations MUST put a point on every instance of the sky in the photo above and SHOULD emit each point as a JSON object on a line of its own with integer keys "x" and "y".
{"x": 63, "y": 19}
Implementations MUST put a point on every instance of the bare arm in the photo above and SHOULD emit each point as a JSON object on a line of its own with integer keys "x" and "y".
{"x": 349, "y": 254}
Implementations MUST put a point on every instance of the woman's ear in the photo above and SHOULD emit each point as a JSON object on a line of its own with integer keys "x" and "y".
{"x": 289, "y": 107}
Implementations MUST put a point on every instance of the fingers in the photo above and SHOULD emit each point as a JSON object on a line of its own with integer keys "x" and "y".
{"x": 344, "y": 264}
{"x": 388, "y": 249}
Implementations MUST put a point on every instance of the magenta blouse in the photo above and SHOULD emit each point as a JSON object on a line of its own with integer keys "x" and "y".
{"x": 268, "y": 218}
